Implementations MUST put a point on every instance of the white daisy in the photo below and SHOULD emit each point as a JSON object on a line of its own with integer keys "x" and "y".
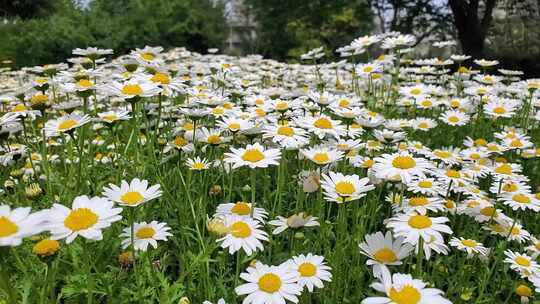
{"x": 269, "y": 284}
{"x": 253, "y": 156}
{"x": 87, "y": 217}
{"x": 132, "y": 194}
{"x": 145, "y": 234}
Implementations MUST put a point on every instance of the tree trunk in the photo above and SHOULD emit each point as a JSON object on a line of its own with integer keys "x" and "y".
{"x": 470, "y": 27}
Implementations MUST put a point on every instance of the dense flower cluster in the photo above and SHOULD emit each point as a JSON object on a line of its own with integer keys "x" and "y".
{"x": 409, "y": 160}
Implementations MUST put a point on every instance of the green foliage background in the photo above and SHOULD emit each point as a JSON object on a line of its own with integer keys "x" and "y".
{"x": 120, "y": 24}
{"x": 289, "y": 28}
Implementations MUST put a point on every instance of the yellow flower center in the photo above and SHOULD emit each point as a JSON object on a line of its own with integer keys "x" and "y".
{"x": 523, "y": 291}
{"x": 46, "y": 247}
{"x": 198, "y": 166}
{"x": 7, "y": 227}
{"x": 425, "y": 184}
{"x": 499, "y": 110}
{"x": 132, "y": 198}
{"x": 241, "y": 208}
{"x": 179, "y": 141}
{"x": 148, "y": 56}
{"x": 418, "y": 201}
{"x": 453, "y": 119}
{"x": 415, "y": 91}
{"x": 281, "y": 106}
{"x": 385, "y": 255}
{"x": 423, "y": 125}
{"x": 323, "y": 123}
{"x": 368, "y": 163}
{"x": 110, "y": 117}
{"x": 234, "y": 126}
{"x": 505, "y": 169}
{"x": 214, "y": 139}
{"x": 67, "y": 124}
{"x": 345, "y": 188}
{"x": 521, "y": 261}
{"x": 80, "y": 219}
{"x": 240, "y": 230}
{"x": 442, "y": 154}
{"x": 307, "y": 269}
{"x": 132, "y": 89}
{"x": 344, "y": 103}
{"x": 19, "y": 108}
{"x": 427, "y": 103}
{"x": 145, "y": 233}
{"x": 321, "y": 158}
{"x": 286, "y": 131}
{"x": 521, "y": 198}
{"x": 469, "y": 243}
{"x": 453, "y": 173}
{"x": 420, "y": 221}
{"x": 488, "y": 211}
{"x": 404, "y": 162}
{"x": 407, "y": 295}
{"x": 161, "y": 78}
{"x": 39, "y": 98}
{"x": 253, "y": 155}
{"x": 269, "y": 283}
{"x": 516, "y": 143}
{"x": 85, "y": 83}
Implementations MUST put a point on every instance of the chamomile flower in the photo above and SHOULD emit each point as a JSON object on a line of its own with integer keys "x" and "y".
{"x": 197, "y": 164}
{"x": 521, "y": 201}
{"x": 420, "y": 204}
{"x": 521, "y": 263}
{"x": 145, "y": 234}
{"x": 294, "y": 221}
{"x": 401, "y": 166}
{"x": 269, "y": 284}
{"x": 312, "y": 269}
{"x": 252, "y": 156}
{"x": 242, "y": 209}
{"x": 242, "y": 233}
{"x": 424, "y": 186}
{"x": 383, "y": 250}
{"x": 323, "y": 126}
{"x": 64, "y": 124}
{"x": 414, "y": 226}
{"x": 87, "y": 217}
{"x": 322, "y": 155}
{"x": 403, "y": 289}
{"x": 113, "y": 116}
{"x": 454, "y": 118}
{"x": 470, "y": 246}
{"x": 287, "y": 136}
{"x": 344, "y": 188}
{"x": 18, "y": 223}
{"x": 132, "y": 194}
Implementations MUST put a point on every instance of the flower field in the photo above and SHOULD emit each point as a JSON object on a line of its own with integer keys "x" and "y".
{"x": 175, "y": 177}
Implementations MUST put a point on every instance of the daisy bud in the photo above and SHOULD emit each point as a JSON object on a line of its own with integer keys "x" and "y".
{"x": 217, "y": 227}
{"x": 45, "y": 248}
{"x": 184, "y": 300}
{"x": 33, "y": 191}
{"x": 125, "y": 259}
{"x": 253, "y": 263}
{"x": 9, "y": 184}
{"x": 524, "y": 292}
{"x": 16, "y": 172}
{"x": 215, "y": 190}
{"x": 299, "y": 236}
{"x": 246, "y": 188}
